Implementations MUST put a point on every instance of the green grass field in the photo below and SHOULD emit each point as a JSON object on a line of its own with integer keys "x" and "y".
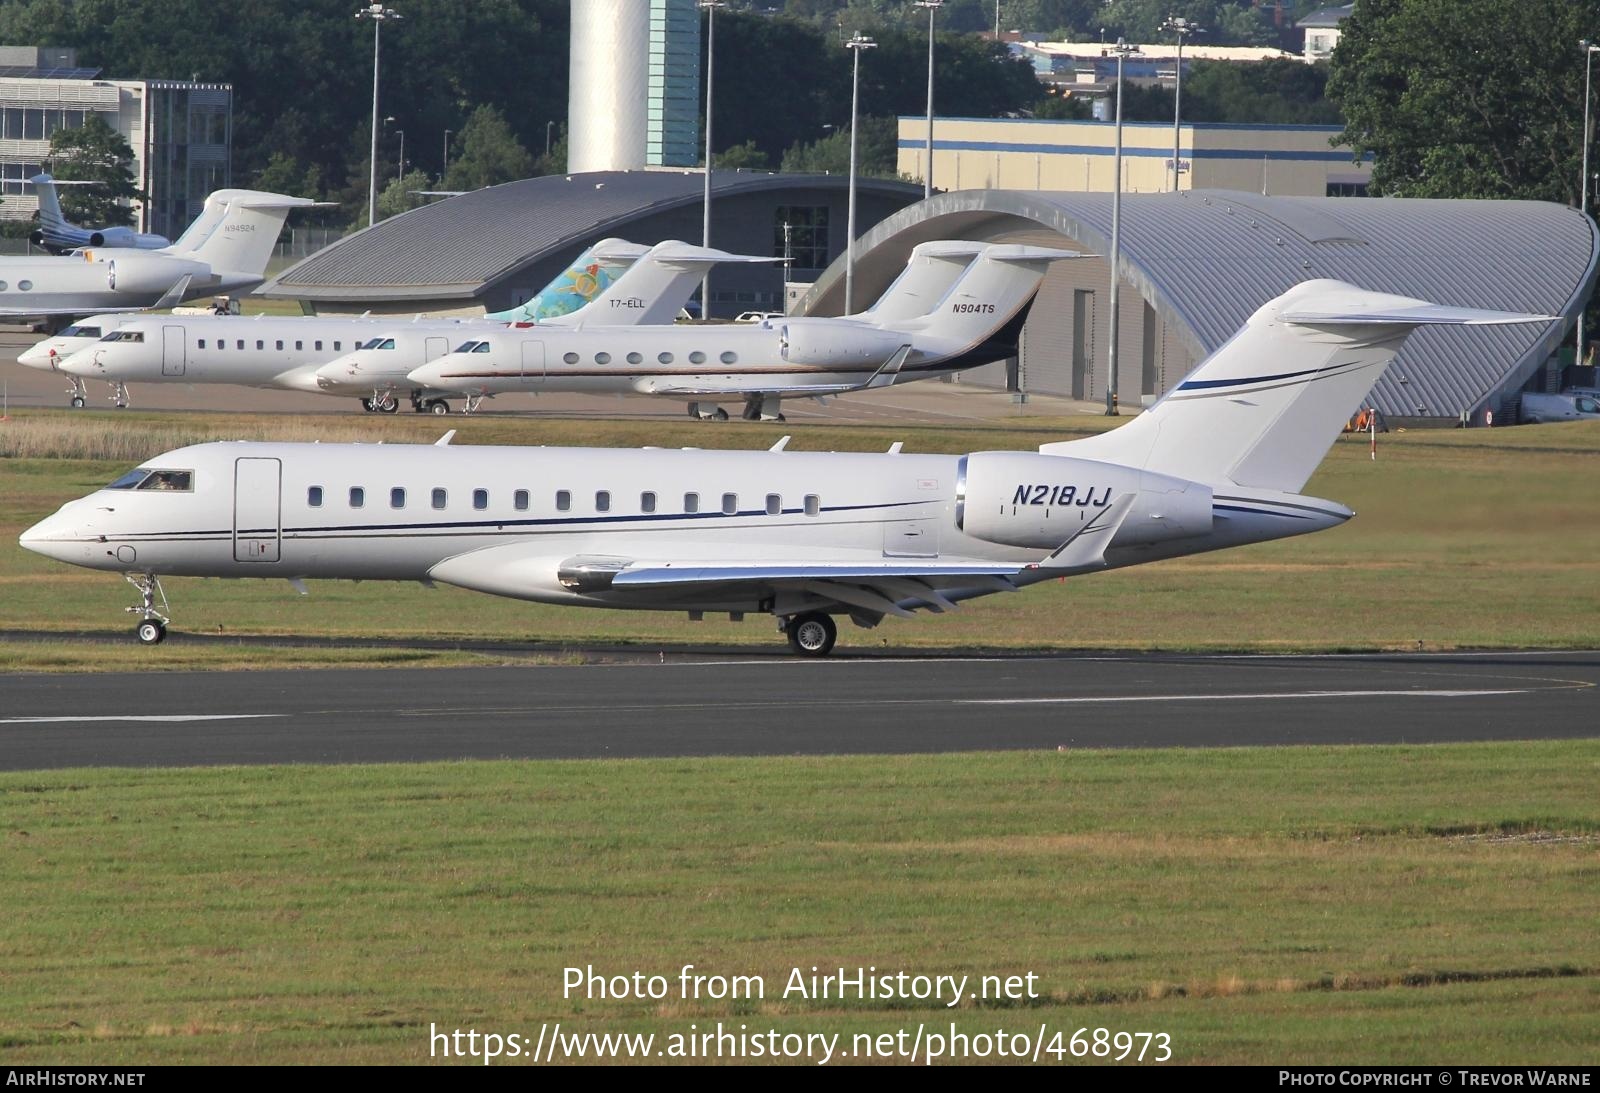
{"x": 1404, "y": 904}
{"x": 1462, "y": 539}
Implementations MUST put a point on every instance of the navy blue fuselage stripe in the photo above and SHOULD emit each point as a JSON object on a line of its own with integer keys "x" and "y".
{"x": 1260, "y": 512}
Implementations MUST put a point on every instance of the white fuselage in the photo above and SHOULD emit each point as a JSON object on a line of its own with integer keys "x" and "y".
{"x": 260, "y": 351}
{"x": 772, "y": 355}
{"x": 48, "y": 354}
{"x": 506, "y": 520}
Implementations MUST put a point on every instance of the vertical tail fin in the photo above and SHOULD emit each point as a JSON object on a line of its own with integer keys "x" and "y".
{"x": 930, "y": 272}
{"x": 590, "y": 274}
{"x": 53, "y": 226}
{"x": 655, "y": 288}
{"x": 236, "y": 231}
{"x": 995, "y": 289}
{"x": 1264, "y": 409}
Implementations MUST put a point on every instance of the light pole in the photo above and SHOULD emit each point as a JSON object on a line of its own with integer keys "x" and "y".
{"x": 549, "y": 125}
{"x": 933, "y": 7}
{"x": 401, "y": 170}
{"x": 378, "y": 14}
{"x": 856, "y": 44}
{"x": 1181, "y": 27}
{"x": 710, "y": 8}
{"x": 1589, "y": 50}
{"x": 997, "y": 20}
{"x": 1123, "y": 51}
{"x": 446, "y": 166}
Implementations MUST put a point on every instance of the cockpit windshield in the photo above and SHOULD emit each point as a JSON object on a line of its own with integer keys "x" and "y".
{"x": 377, "y": 343}
{"x": 81, "y": 332}
{"x": 151, "y": 478}
{"x": 472, "y": 347}
{"x": 124, "y": 336}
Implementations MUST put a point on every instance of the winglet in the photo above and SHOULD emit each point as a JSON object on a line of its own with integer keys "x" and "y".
{"x": 1087, "y": 547}
{"x": 782, "y": 443}
{"x": 444, "y": 441}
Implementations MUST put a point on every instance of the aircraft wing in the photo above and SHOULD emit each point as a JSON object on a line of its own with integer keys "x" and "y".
{"x": 41, "y": 312}
{"x": 870, "y": 582}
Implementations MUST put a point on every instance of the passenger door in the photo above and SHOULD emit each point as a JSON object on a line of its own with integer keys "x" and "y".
{"x": 533, "y": 362}
{"x": 257, "y": 510}
{"x": 173, "y": 354}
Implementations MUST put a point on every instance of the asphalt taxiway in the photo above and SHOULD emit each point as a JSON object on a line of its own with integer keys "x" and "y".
{"x": 733, "y": 704}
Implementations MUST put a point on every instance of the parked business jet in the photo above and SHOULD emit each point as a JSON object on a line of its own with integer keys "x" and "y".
{"x": 652, "y": 292}
{"x": 1218, "y": 462}
{"x": 58, "y": 236}
{"x": 976, "y": 321}
{"x": 289, "y": 352}
{"x": 224, "y": 250}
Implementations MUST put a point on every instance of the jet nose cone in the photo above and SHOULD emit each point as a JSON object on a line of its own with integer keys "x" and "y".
{"x": 54, "y": 538}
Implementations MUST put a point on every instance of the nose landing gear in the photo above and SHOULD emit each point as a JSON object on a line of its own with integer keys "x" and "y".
{"x": 152, "y": 628}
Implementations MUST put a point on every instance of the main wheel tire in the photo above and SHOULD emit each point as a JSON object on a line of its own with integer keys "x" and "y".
{"x": 812, "y": 634}
{"x": 720, "y": 415}
{"x": 388, "y": 404}
{"x": 366, "y": 404}
{"x": 150, "y": 632}
{"x": 439, "y": 406}
{"x": 77, "y": 402}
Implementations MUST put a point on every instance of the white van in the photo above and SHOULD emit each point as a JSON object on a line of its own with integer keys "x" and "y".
{"x": 1537, "y": 409}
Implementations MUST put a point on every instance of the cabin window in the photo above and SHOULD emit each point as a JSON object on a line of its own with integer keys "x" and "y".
{"x": 570, "y": 358}
{"x": 691, "y": 502}
{"x": 697, "y": 357}
{"x": 299, "y": 345}
{"x": 358, "y": 497}
{"x": 729, "y": 356}
{"x": 25, "y": 286}
{"x": 602, "y": 358}
{"x": 520, "y": 500}
{"x": 439, "y": 497}
{"x": 336, "y": 346}
{"x": 279, "y": 343}
{"x": 634, "y": 358}
{"x": 813, "y": 504}
{"x": 602, "y": 501}
{"x": 222, "y": 343}
{"x": 480, "y": 499}
{"x": 202, "y": 343}
{"x": 563, "y": 501}
{"x": 314, "y": 497}
{"x": 317, "y": 345}
{"x": 260, "y": 344}
{"x": 664, "y": 358}
{"x": 238, "y": 343}
{"x": 397, "y": 498}
{"x": 730, "y": 504}
{"x": 774, "y": 504}
{"x": 647, "y": 502}
{"x": 3, "y": 286}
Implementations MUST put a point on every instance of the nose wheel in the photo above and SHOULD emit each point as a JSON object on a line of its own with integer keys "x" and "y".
{"x": 78, "y": 394}
{"x": 811, "y": 634}
{"x": 152, "y": 628}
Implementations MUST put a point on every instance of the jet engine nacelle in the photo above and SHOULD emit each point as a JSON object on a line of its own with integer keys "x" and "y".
{"x": 127, "y": 237}
{"x": 143, "y": 274}
{"x": 1040, "y": 501}
{"x": 823, "y": 342}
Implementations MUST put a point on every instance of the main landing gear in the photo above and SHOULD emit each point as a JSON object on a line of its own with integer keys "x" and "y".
{"x": 707, "y": 411}
{"x": 380, "y": 404}
{"x": 152, "y": 628}
{"x": 428, "y": 405}
{"x": 119, "y": 395}
{"x": 811, "y": 633}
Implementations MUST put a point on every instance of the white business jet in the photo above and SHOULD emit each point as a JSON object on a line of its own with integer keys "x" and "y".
{"x": 289, "y": 352}
{"x": 56, "y": 235}
{"x": 224, "y": 250}
{"x": 1218, "y": 462}
{"x": 977, "y": 320}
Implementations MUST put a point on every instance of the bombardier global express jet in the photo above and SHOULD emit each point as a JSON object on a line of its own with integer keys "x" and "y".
{"x": 802, "y": 537}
